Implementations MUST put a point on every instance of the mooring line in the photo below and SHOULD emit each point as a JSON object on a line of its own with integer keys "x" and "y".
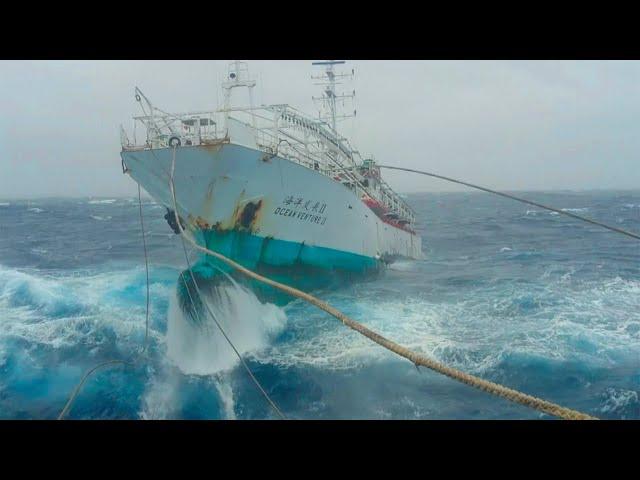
{"x": 416, "y": 358}
{"x": 76, "y": 391}
{"x": 517, "y": 199}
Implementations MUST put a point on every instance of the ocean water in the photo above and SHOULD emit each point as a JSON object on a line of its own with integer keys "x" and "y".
{"x": 523, "y": 297}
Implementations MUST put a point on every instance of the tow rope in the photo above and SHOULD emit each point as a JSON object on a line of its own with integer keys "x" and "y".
{"x": 416, "y": 358}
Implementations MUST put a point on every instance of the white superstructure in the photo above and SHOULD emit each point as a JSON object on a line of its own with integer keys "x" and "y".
{"x": 270, "y": 185}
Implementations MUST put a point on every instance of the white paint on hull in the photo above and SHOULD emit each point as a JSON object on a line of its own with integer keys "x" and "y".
{"x": 298, "y": 204}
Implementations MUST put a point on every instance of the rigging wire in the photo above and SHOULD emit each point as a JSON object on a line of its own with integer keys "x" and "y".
{"x": 518, "y": 199}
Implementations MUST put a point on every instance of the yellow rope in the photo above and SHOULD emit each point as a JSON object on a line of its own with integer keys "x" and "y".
{"x": 418, "y": 359}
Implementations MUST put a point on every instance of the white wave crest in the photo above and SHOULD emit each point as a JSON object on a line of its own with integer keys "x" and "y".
{"x": 105, "y": 201}
{"x": 202, "y": 350}
{"x": 161, "y": 398}
{"x": 404, "y": 266}
{"x": 226, "y": 395}
{"x": 70, "y": 311}
{"x": 323, "y": 342}
{"x": 597, "y": 324}
{"x": 616, "y": 399}
{"x": 575, "y": 210}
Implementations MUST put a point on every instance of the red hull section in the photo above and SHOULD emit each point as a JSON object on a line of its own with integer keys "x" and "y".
{"x": 382, "y": 212}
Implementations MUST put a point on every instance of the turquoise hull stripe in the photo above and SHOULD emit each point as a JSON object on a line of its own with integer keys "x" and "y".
{"x": 302, "y": 266}
{"x": 253, "y": 251}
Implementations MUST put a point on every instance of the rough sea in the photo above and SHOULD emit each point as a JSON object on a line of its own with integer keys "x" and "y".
{"x": 526, "y": 298}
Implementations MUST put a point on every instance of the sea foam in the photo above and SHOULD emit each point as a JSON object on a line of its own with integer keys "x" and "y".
{"x": 202, "y": 349}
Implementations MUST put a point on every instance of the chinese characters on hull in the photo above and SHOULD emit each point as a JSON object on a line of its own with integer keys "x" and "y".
{"x": 302, "y": 209}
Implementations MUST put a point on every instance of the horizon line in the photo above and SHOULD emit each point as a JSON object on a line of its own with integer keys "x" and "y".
{"x": 415, "y": 192}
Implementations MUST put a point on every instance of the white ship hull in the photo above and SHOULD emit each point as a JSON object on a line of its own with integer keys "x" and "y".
{"x": 262, "y": 210}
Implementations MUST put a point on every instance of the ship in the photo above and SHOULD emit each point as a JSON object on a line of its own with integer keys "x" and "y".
{"x": 281, "y": 192}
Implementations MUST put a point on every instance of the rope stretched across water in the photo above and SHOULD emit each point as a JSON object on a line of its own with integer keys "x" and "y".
{"x": 517, "y": 199}
{"x": 416, "y": 358}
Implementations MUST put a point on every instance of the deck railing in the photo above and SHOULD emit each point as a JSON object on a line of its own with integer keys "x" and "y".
{"x": 277, "y": 130}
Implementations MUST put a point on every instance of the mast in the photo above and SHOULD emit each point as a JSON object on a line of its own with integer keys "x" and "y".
{"x": 237, "y": 76}
{"x": 329, "y": 96}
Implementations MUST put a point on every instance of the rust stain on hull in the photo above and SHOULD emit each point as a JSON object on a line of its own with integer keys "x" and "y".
{"x": 201, "y": 223}
{"x": 246, "y": 217}
{"x": 246, "y": 214}
{"x": 213, "y": 146}
{"x": 207, "y": 205}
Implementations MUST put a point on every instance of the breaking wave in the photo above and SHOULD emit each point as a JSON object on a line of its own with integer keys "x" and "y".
{"x": 202, "y": 350}
{"x": 593, "y": 325}
{"x": 67, "y": 311}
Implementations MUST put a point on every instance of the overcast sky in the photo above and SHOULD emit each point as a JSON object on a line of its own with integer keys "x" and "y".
{"x": 513, "y": 125}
